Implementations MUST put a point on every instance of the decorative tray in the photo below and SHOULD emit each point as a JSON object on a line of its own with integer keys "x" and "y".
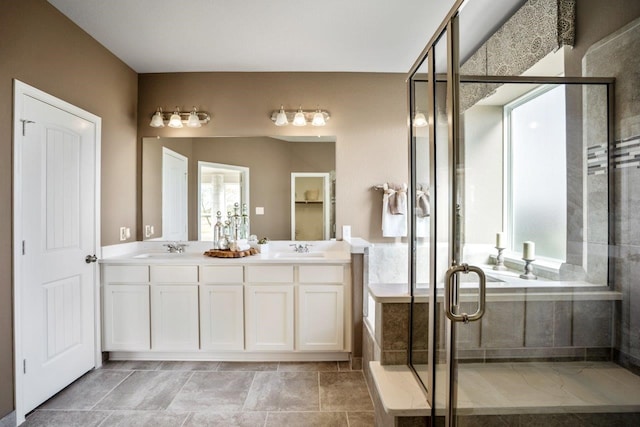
{"x": 218, "y": 253}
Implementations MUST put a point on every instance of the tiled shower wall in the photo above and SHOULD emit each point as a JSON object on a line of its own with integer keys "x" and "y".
{"x": 616, "y": 56}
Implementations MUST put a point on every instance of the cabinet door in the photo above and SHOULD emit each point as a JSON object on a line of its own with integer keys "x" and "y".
{"x": 221, "y": 317}
{"x": 269, "y": 317}
{"x": 125, "y": 318}
{"x": 320, "y": 324}
{"x": 174, "y": 317}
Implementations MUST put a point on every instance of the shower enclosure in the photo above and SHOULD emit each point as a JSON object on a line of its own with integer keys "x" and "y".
{"x": 523, "y": 307}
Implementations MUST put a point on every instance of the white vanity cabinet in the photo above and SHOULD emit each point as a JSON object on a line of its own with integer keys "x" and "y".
{"x": 233, "y": 311}
{"x": 270, "y": 308}
{"x": 222, "y": 308}
{"x": 126, "y": 322}
{"x": 174, "y": 307}
{"x": 320, "y": 308}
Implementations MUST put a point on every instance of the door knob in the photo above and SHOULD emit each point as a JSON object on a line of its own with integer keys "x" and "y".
{"x": 90, "y": 258}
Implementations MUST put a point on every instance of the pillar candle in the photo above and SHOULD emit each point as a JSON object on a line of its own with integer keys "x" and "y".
{"x": 529, "y": 250}
{"x": 500, "y": 240}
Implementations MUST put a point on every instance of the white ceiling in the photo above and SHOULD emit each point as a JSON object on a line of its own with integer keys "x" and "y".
{"x": 154, "y": 36}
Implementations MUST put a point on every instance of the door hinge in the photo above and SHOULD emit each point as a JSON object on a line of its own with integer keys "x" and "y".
{"x": 24, "y": 366}
{"x": 24, "y": 125}
{"x": 24, "y": 245}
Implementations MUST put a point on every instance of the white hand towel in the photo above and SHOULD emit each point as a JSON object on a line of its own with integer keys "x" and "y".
{"x": 394, "y": 222}
{"x": 422, "y": 211}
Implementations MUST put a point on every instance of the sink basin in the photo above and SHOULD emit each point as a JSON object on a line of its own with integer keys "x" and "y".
{"x": 297, "y": 255}
{"x": 161, "y": 255}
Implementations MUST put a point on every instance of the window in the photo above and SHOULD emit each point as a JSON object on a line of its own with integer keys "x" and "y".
{"x": 536, "y": 191}
{"x": 221, "y": 186}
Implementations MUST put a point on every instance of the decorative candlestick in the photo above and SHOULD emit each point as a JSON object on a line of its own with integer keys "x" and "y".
{"x": 499, "y": 260}
{"x": 528, "y": 255}
{"x": 528, "y": 250}
{"x": 528, "y": 274}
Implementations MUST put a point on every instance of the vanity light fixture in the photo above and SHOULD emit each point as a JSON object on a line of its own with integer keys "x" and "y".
{"x": 177, "y": 119}
{"x": 419, "y": 120}
{"x": 300, "y": 117}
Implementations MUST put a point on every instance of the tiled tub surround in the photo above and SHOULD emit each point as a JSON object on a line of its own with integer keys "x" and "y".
{"x": 512, "y": 375}
{"x": 542, "y": 323}
{"x": 182, "y": 394}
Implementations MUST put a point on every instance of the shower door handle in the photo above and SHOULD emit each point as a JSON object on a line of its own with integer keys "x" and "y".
{"x": 451, "y": 293}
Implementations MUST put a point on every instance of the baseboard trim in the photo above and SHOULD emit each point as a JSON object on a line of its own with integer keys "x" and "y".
{"x": 232, "y": 356}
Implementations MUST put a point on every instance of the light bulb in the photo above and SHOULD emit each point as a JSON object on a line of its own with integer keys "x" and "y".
{"x": 299, "y": 119}
{"x": 281, "y": 117}
{"x": 175, "y": 121}
{"x": 318, "y": 119}
{"x": 194, "y": 120}
{"x": 157, "y": 120}
{"x": 419, "y": 120}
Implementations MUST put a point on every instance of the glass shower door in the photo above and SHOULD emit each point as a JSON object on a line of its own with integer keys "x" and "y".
{"x": 524, "y": 310}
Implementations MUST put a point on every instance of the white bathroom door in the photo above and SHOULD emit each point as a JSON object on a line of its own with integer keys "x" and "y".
{"x": 174, "y": 195}
{"x": 55, "y": 229}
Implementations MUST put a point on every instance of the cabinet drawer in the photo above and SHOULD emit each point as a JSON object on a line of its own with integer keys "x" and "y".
{"x": 126, "y": 274}
{"x": 174, "y": 273}
{"x": 270, "y": 274}
{"x": 219, "y": 274}
{"x": 321, "y": 274}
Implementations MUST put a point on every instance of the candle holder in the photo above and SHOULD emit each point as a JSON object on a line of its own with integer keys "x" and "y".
{"x": 528, "y": 274}
{"x": 499, "y": 260}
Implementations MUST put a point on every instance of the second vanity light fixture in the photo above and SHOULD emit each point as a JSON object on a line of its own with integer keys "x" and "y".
{"x": 177, "y": 119}
{"x": 300, "y": 117}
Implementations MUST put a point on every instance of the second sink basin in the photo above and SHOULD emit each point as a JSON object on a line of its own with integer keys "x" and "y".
{"x": 297, "y": 255}
{"x": 161, "y": 255}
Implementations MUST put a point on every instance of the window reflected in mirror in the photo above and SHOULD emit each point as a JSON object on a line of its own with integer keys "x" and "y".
{"x": 221, "y": 188}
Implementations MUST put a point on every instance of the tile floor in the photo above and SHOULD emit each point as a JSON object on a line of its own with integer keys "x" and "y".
{"x": 226, "y": 394}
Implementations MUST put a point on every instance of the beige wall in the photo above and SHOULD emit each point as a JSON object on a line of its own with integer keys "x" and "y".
{"x": 42, "y": 48}
{"x": 368, "y": 118}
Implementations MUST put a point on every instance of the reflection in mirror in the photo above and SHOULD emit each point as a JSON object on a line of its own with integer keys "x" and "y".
{"x": 310, "y": 206}
{"x": 221, "y": 188}
{"x": 271, "y": 161}
{"x": 174, "y": 189}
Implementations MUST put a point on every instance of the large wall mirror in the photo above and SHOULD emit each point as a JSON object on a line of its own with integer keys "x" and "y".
{"x": 223, "y": 171}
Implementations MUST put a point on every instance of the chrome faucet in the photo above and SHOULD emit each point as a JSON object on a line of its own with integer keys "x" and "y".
{"x": 175, "y": 247}
{"x": 301, "y": 248}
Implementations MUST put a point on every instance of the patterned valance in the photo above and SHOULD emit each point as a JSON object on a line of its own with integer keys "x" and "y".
{"x": 538, "y": 28}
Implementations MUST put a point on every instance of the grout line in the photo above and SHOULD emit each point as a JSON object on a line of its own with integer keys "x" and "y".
{"x": 105, "y": 418}
{"x": 319, "y": 394}
{"x": 253, "y": 380}
{"x": 189, "y": 414}
{"x": 110, "y": 391}
{"x": 179, "y": 391}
